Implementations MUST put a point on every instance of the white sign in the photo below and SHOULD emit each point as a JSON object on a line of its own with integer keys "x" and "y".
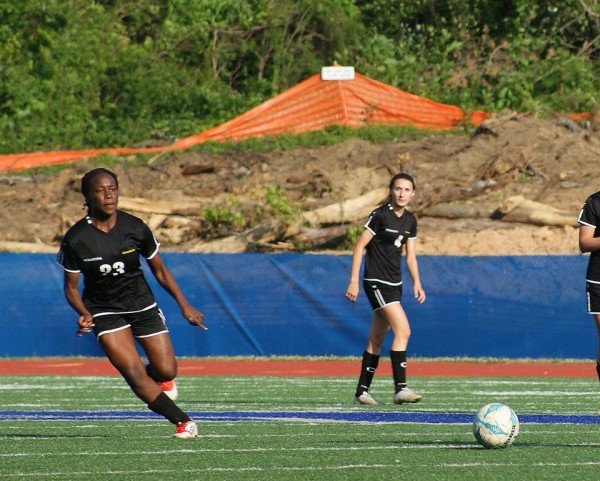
{"x": 337, "y": 73}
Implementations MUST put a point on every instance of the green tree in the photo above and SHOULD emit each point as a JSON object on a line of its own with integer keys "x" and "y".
{"x": 81, "y": 73}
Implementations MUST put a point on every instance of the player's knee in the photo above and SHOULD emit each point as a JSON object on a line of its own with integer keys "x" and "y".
{"x": 376, "y": 342}
{"x": 164, "y": 371}
{"x": 132, "y": 373}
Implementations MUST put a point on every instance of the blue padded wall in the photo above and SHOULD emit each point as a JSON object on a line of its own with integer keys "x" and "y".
{"x": 294, "y": 304}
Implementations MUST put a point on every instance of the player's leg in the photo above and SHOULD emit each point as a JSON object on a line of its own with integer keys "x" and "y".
{"x": 398, "y": 322}
{"x": 162, "y": 364}
{"x": 120, "y": 349}
{"x": 379, "y": 328}
{"x": 592, "y": 291}
{"x": 597, "y": 322}
{"x": 150, "y": 330}
{"x": 370, "y": 359}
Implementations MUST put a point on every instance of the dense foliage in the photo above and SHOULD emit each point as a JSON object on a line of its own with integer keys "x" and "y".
{"x": 84, "y": 73}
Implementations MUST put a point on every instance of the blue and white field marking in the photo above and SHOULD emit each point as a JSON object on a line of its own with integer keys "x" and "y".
{"x": 307, "y": 416}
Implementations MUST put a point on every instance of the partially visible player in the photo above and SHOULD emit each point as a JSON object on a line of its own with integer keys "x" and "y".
{"x": 389, "y": 229}
{"x": 589, "y": 241}
{"x": 117, "y": 303}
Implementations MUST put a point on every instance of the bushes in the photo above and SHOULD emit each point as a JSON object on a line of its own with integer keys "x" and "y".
{"x": 85, "y": 74}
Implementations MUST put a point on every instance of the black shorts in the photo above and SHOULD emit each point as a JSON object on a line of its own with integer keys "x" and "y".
{"x": 592, "y": 292}
{"x": 381, "y": 295}
{"x": 143, "y": 324}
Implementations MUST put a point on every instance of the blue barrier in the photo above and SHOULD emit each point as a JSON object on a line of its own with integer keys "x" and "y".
{"x": 294, "y": 304}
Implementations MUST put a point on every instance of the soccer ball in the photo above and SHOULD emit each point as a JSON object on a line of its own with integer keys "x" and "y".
{"x": 495, "y": 426}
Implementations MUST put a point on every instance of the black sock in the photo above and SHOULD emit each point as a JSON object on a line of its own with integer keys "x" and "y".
{"x": 367, "y": 371}
{"x": 164, "y": 406}
{"x": 598, "y": 369}
{"x": 398, "y": 359}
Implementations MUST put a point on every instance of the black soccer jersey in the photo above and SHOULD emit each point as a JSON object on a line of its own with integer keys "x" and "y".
{"x": 590, "y": 216}
{"x": 384, "y": 251}
{"x": 110, "y": 263}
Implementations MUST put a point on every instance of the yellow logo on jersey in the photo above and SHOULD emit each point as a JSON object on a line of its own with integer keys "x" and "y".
{"x": 128, "y": 252}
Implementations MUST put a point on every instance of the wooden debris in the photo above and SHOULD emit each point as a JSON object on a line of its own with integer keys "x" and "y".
{"x": 519, "y": 209}
{"x": 350, "y": 210}
{"x": 7, "y": 195}
{"x": 320, "y": 237}
{"x": 181, "y": 207}
{"x": 265, "y": 233}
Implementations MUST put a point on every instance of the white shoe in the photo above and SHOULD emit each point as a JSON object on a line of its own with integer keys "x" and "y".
{"x": 170, "y": 389}
{"x": 186, "y": 430}
{"x": 407, "y": 395}
{"x": 365, "y": 398}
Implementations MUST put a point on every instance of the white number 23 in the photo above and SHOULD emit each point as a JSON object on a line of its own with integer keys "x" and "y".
{"x": 116, "y": 269}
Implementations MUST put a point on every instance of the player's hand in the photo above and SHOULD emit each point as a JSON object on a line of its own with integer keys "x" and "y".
{"x": 352, "y": 291}
{"x": 85, "y": 323}
{"x": 419, "y": 294}
{"x": 194, "y": 317}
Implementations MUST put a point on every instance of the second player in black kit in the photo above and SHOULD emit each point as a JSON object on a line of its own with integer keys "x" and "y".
{"x": 589, "y": 241}
{"x": 389, "y": 229}
{"x": 117, "y": 303}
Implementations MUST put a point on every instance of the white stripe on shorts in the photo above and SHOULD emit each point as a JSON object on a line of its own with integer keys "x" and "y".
{"x": 381, "y": 301}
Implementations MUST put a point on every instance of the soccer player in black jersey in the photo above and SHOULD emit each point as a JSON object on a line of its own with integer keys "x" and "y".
{"x": 117, "y": 303}
{"x": 389, "y": 228}
{"x": 589, "y": 241}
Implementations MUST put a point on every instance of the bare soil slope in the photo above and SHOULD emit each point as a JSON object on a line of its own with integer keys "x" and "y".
{"x": 467, "y": 190}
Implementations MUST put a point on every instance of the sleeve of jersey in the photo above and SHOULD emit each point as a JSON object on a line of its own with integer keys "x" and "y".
{"x": 413, "y": 230}
{"x": 150, "y": 245}
{"x": 373, "y": 223}
{"x": 588, "y": 215}
{"x": 67, "y": 259}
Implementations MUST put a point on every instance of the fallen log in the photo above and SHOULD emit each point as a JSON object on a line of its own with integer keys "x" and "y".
{"x": 320, "y": 237}
{"x": 348, "y": 211}
{"x": 7, "y": 195}
{"x": 262, "y": 234}
{"x": 519, "y": 209}
{"x": 180, "y": 207}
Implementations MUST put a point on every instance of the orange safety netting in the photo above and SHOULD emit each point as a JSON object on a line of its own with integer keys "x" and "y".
{"x": 315, "y": 104}
{"x": 311, "y": 105}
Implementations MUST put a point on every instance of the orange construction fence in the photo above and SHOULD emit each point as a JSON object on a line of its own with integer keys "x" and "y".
{"x": 311, "y": 105}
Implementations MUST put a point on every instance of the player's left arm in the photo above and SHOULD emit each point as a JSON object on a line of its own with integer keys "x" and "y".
{"x": 413, "y": 269}
{"x": 587, "y": 241}
{"x": 169, "y": 284}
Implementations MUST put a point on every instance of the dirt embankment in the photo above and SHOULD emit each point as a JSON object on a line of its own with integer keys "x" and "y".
{"x": 513, "y": 186}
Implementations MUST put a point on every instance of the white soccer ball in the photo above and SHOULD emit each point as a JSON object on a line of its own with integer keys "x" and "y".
{"x": 495, "y": 426}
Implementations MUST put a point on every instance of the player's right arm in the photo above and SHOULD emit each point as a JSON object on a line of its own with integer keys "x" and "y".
{"x": 357, "y": 255}
{"x": 70, "y": 286}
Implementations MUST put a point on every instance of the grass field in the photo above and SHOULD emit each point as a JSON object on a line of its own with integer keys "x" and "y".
{"x": 273, "y": 428}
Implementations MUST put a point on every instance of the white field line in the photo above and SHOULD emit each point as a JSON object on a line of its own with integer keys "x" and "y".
{"x": 284, "y": 469}
{"x": 227, "y": 450}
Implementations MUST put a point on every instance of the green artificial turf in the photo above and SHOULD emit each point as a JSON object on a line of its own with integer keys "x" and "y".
{"x": 292, "y": 448}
